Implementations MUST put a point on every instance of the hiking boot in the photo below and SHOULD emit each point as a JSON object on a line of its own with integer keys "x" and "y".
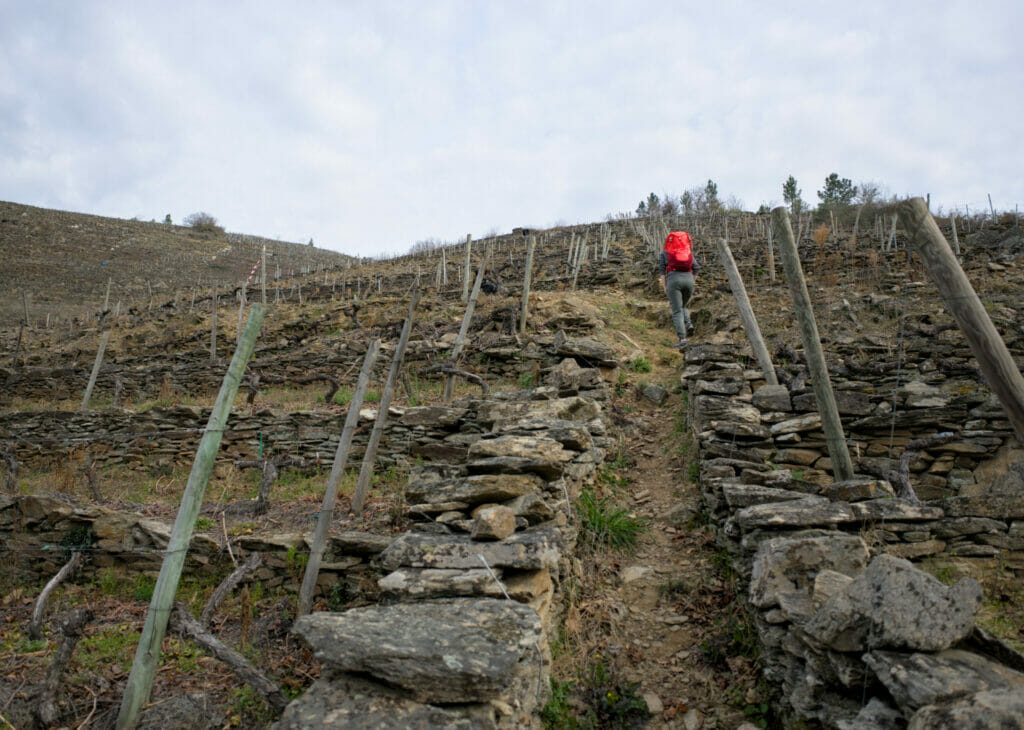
{"x": 689, "y": 329}
{"x": 681, "y": 344}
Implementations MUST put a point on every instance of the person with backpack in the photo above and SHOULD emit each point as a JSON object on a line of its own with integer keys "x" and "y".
{"x": 677, "y": 269}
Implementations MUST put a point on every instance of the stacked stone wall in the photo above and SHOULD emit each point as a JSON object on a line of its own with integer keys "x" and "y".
{"x": 853, "y": 635}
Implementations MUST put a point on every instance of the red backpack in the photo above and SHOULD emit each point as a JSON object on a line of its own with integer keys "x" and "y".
{"x": 679, "y": 248}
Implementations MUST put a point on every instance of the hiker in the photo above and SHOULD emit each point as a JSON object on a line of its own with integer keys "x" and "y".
{"x": 677, "y": 269}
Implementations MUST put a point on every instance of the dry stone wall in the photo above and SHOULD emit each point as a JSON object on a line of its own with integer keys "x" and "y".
{"x": 853, "y": 635}
{"x": 470, "y": 590}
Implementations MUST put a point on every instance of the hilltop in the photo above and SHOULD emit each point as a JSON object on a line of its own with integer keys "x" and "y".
{"x": 63, "y": 261}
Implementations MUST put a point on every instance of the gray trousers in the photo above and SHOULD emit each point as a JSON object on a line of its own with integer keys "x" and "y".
{"x": 679, "y": 287}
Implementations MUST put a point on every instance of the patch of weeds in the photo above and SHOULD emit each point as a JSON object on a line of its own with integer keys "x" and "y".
{"x": 723, "y": 563}
{"x": 296, "y": 560}
{"x": 77, "y": 539}
{"x": 110, "y": 644}
{"x": 640, "y": 364}
{"x": 143, "y": 588}
{"x": 798, "y": 474}
{"x": 735, "y": 636}
{"x": 526, "y": 380}
{"x": 248, "y": 709}
{"x": 371, "y": 396}
{"x": 242, "y": 528}
{"x": 204, "y": 523}
{"x": 611, "y": 702}
{"x": 182, "y": 653}
{"x": 613, "y": 477}
{"x": 343, "y": 396}
{"x": 693, "y": 471}
{"x": 557, "y": 714}
{"x": 338, "y": 597}
{"x": 605, "y": 523}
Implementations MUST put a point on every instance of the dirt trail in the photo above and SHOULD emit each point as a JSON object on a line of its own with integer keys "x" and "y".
{"x": 664, "y": 615}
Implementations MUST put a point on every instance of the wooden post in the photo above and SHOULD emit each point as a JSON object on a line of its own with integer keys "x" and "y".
{"x": 842, "y": 466}
{"x": 370, "y": 455}
{"x": 956, "y": 238}
{"x": 466, "y": 269}
{"x": 24, "y": 303}
{"x": 460, "y": 341}
{"x": 994, "y": 360}
{"x": 444, "y": 268}
{"x": 140, "y": 680}
{"x": 213, "y": 326}
{"x": 263, "y": 277}
{"x": 106, "y": 299}
{"x": 771, "y": 254}
{"x": 95, "y": 370}
{"x": 750, "y": 325}
{"x": 326, "y": 514}
{"x": 991, "y": 207}
{"x": 526, "y": 282}
{"x": 241, "y": 312}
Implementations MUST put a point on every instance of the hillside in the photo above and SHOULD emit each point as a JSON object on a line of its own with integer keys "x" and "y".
{"x": 621, "y": 461}
{"x": 64, "y": 260}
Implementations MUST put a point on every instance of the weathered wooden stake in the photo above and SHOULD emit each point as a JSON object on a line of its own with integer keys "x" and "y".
{"x": 466, "y": 269}
{"x": 460, "y": 341}
{"x": 750, "y": 325}
{"x": 527, "y": 273}
{"x": 956, "y": 238}
{"x": 263, "y": 277}
{"x": 326, "y": 514}
{"x": 994, "y": 360}
{"x": 106, "y": 299}
{"x": 95, "y": 370}
{"x": 370, "y": 455}
{"x": 241, "y": 313}
{"x": 213, "y": 326}
{"x": 140, "y": 680}
{"x": 771, "y": 254}
{"x": 991, "y": 207}
{"x": 842, "y": 466}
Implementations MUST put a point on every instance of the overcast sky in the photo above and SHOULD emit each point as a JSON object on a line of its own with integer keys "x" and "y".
{"x": 370, "y": 126}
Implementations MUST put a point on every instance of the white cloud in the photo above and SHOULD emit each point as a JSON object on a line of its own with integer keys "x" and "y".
{"x": 370, "y": 126}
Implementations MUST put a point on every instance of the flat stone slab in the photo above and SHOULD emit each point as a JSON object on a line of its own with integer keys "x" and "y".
{"x": 744, "y": 495}
{"x": 567, "y": 409}
{"x": 893, "y": 604}
{"x": 527, "y": 550}
{"x": 789, "y": 564}
{"x": 439, "y": 582}
{"x": 916, "y": 680}
{"x": 1002, "y": 708}
{"x": 996, "y": 506}
{"x": 475, "y": 489}
{"x": 440, "y": 651}
{"x": 345, "y": 702}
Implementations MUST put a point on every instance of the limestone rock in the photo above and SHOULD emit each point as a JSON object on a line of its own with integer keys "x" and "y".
{"x": 772, "y": 398}
{"x": 787, "y": 564}
{"x": 440, "y": 651}
{"x": 354, "y": 542}
{"x": 916, "y": 680}
{"x": 991, "y": 710}
{"x": 656, "y": 394}
{"x": 435, "y": 583}
{"x": 856, "y": 490}
{"x": 528, "y": 550}
{"x": 589, "y": 351}
{"x": 804, "y": 512}
{"x": 875, "y": 715}
{"x": 575, "y": 408}
{"x": 744, "y": 495}
{"x": 800, "y": 424}
{"x": 475, "y": 489}
{"x": 493, "y": 523}
{"x": 341, "y": 701}
{"x": 897, "y": 606}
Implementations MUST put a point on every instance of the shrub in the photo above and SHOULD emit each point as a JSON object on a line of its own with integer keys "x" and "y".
{"x": 821, "y": 234}
{"x": 606, "y": 523}
{"x": 640, "y": 364}
{"x": 203, "y": 222}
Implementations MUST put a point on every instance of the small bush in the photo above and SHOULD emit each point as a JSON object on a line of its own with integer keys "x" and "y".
{"x": 640, "y": 364}
{"x": 606, "y": 523}
{"x": 203, "y": 222}
{"x": 821, "y": 234}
